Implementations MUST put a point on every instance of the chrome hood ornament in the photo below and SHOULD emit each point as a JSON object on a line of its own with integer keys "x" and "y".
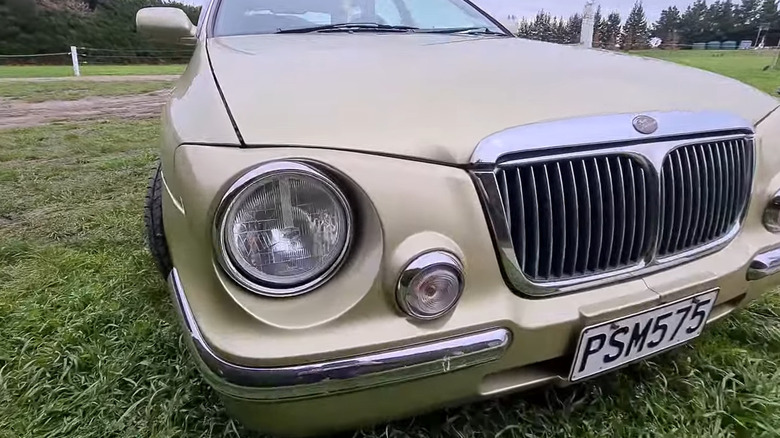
{"x": 645, "y": 124}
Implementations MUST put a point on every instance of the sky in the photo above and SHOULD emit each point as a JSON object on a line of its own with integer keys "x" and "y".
{"x": 528, "y": 8}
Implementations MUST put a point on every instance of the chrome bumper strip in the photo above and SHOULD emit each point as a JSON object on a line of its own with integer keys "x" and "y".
{"x": 348, "y": 374}
{"x": 765, "y": 264}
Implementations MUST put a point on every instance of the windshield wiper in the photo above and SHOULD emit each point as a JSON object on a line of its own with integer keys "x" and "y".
{"x": 350, "y": 27}
{"x": 464, "y": 31}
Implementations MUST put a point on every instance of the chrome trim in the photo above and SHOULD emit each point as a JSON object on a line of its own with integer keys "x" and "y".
{"x": 418, "y": 265}
{"x": 772, "y": 214}
{"x": 593, "y": 137}
{"x": 341, "y": 375}
{"x": 602, "y": 130}
{"x": 764, "y": 265}
{"x": 245, "y": 182}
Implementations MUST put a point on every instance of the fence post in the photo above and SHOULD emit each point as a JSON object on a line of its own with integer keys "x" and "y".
{"x": 74, "y": 56}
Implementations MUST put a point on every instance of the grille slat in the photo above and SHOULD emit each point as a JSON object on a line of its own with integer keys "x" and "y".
{"x": 631, "y": 219}
{"x": 681, "y": 201}
{"x": 716, "y": 190}
{"x": 585, "y": 222}
{"x": 690, "y": 223}
{"x": 735, "y": 177}
{"x": 610, "y": 214}
{"x": 547, "y": 223}
{"x": 704, "y": 189}
{"x": 620, "y": 229}
{"x": 669, "y": 197}
{"x": 573, "y": 220}
{"x": 535, "y": 228}
{"x": 598, "y": 217}
{"x": 520, "y": 218}
{"x": 730, "y": 187}
{"x": 561, "y": 225}
{"x": 721, "y": 214}
{"x": 576, "y": 217}
{"x": 642, "y": 214}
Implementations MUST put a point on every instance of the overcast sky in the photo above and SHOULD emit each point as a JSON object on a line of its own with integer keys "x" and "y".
{"x": 529, "y": 8}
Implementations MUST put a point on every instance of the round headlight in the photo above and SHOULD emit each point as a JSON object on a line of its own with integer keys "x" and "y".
{"x": 430, "y": 286}
{"x": 284, "y": 229}
{"x": 772, "y": 214}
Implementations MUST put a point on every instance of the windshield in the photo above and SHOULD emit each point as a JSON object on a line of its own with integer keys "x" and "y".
{"x": 241, "y": 17}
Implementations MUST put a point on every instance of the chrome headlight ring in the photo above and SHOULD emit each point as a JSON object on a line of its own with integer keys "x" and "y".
{"x": 240, "y": 259}
{"x": 771, "y": 216}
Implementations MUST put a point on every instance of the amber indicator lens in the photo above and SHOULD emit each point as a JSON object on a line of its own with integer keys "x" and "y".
{"x": 431, "y": 285}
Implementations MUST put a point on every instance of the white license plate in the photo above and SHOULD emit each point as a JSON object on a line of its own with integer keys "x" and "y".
{"x": 612, "y": 344}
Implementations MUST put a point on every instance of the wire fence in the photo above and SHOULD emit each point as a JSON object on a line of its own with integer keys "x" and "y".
{"x": 81, "y": 56}
{"x": 100, "y": 56}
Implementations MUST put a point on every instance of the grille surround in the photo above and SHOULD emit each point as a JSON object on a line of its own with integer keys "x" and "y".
{"x": 650, "y": 150}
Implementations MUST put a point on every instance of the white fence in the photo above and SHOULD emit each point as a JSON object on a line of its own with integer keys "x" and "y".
{"x": 80, "y": 56}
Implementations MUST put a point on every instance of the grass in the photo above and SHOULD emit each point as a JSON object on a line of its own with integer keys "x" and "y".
{"x": 90, "y": 346}
{"x": 74, "y": 90}
{"x": 48, "y": 71}
{"x": 744, "y": 65}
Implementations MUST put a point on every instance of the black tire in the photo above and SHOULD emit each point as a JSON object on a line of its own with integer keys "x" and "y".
{"x": 155, "y": 232}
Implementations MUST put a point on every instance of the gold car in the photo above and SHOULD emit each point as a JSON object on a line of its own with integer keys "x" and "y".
{"x": 368, "y": 209}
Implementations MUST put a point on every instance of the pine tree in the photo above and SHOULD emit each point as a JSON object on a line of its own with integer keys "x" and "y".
{"x": 668, "y": 26}
{"x": 611, "y": 35}
{"x": 747, "y": 14}
{"x": 720, "y": 19}
{"x": 693, "y": 25}
{"x": 635, "y": 33}
{"x": 560, "y": 35}
{"x": 599, "y": 25}
{"x": 768, "y": 14}
{"x": 573, "y": 29}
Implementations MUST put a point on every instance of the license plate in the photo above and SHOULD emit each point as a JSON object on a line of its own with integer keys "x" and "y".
{"x": 611, "y": 344}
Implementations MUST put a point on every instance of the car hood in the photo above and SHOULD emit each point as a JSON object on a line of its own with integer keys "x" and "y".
{"x": 434, "y": 97}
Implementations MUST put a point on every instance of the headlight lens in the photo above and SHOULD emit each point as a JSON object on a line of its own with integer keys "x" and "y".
{"x": 285, "y": 229}
{"x": 772, "y": 214}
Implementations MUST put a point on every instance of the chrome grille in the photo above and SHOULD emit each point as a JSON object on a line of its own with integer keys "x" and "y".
{"x": 576, "y": 217}
{"x": 704, "y": 191}
{"x": 582, "y": 202}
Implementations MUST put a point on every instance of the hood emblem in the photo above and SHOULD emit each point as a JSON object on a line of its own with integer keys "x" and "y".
{"x": 645, "y": 124}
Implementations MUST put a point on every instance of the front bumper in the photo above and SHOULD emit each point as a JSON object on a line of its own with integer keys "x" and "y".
{"x": 331, "y": 377}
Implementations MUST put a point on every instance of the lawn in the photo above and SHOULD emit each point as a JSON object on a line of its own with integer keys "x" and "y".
{"x": 90, "y": 345}
{"x": 47, "y": 71}
{"x": 744, "y": 65}
{"x": 74, "y": 90}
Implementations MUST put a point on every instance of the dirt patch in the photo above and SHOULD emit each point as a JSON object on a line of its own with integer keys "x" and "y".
{"x": 15, "y": 114}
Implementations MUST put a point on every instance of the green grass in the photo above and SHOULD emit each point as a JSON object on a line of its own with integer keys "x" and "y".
{"x": 90, "y": 345}
{"x": 74, "y": 90}
{"x": 47, "y": 71}
{"x": 744, "y": 65}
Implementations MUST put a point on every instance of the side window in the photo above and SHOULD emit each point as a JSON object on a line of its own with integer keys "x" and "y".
{"x": 387, "y": 12}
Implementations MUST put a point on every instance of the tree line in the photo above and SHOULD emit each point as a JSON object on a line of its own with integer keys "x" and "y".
{"x": 52, "y": 26}
{"x": 700, "y": 22}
